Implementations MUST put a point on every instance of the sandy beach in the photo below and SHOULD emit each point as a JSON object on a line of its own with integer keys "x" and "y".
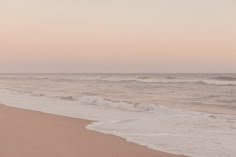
{"x": 27, "y": 133}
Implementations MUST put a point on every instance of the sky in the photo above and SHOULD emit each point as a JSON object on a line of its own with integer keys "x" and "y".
{"x": 117, "y": 36}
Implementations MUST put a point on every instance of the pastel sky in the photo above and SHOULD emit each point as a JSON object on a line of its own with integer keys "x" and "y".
{"x": 117, "y": 35}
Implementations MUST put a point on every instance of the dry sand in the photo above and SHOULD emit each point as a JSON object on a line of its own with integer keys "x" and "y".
{"x": 25, "y": 133}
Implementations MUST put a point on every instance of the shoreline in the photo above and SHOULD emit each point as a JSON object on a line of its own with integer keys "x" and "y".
{"x": 30, "y": 133}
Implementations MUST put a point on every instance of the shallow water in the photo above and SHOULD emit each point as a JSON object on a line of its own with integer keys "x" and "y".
{"x": 155, "y": 110}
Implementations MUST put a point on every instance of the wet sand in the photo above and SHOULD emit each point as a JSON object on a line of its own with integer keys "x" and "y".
{"x": 25, "y": 133}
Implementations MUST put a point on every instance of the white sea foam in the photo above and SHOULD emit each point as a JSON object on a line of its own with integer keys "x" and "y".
{"x": 195, "y": 134}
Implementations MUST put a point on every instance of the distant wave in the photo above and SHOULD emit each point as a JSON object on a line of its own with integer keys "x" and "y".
{"x": 174, "y": 80}
{"x": 69, "y": 98}
{"x": 216, "y": 83}
{"x": 171, "y": 77}
{"x": 220, "y": 80}
{"x": 225, "y": 78}
{"x": 129, "y": 106}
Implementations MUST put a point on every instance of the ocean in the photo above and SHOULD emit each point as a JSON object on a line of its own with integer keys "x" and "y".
{"x": 190, "y": 114}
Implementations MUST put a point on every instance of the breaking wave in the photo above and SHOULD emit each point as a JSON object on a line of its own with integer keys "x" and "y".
{"x": 128, "y": 106}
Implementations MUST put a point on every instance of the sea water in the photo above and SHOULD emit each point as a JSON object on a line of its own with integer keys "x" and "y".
{"x": 190, "y": 114}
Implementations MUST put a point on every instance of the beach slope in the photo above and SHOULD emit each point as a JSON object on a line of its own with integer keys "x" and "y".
{"x": 27, "y": 133}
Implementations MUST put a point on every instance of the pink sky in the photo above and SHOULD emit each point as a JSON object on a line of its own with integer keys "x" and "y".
{"x": 118, "y": 36}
